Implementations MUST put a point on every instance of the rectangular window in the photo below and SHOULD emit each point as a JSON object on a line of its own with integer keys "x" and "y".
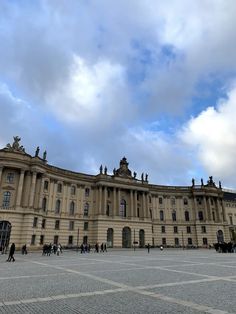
{"x": 43, "y": 223}
{"x": 177, "y": 241}
{"x": 203, "y": 229}
{"x": 200, "y": 215}
{"x": 160, "y": 200}
{"x": 87, "y": 192}
{"x": 163, "y": 241}
{"x": 73, "y": 189}
{"x": 190, "y": 241}
{"x": 199, "y": 200}
{"x": 56, "y": 239}
{"x": 33, "y": 239}
{"x": 163, "y": 229}
{"x": 204, "y": 241}
{"x": 41, "y": 239}
{"x": 174, "y": 216}
{"x": 231, "y": 220}
{"x": 57, "y": 224}
{"x": 175, "y": 229}
{"x": 188, "y": 229}
{"x": 46, "y": 185}
{"x": 85, "y": 226}
{"x": 213, "y": 216}
{"x": 172, "y": 201}
{"x": 10, "y": 177}
{"x": 71, "y": 225}
{"x": 70, "y": 240}
{"x": 35, "y": 222}
{"x": 185, "y": 201}
{"x": 161, "y": 215}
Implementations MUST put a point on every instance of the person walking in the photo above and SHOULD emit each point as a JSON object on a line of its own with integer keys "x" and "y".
{"x": 11, "y": 253}
{"x": 148, "y": 247}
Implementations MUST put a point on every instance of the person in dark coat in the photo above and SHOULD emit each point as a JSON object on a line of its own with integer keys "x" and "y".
{"x": 11, "y": 253}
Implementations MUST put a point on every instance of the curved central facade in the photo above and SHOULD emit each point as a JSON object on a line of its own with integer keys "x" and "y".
{"x": 40, "y": 203}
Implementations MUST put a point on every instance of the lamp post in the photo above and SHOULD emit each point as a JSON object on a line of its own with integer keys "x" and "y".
{"x": 78, "y": 240}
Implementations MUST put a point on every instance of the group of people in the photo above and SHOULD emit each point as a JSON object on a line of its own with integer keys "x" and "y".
{"x": 86, "y": 248}
{"x": 49, "y": 249}
{"x": 225, "y": 247}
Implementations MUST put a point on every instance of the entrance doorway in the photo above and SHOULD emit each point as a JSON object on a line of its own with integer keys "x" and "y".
{"x": 126, "y": 237}
{"x": 5, "y": 233}
{"x": 220, "y": 236}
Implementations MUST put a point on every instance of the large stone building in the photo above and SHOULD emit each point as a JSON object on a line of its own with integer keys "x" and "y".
{"x": 40, "y": 203}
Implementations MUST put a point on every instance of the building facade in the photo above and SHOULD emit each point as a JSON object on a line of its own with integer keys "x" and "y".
{"x": 40, "y": 203}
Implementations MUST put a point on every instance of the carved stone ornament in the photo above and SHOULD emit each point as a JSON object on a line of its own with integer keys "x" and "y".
{"x": 15, "y": 147}
{"x": 123, "y": 171}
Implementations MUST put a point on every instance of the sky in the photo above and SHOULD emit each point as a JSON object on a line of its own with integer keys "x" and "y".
{"x": 91, "y": 81}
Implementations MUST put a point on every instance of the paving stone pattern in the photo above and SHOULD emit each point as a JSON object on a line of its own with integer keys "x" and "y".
{"x": 119, "y": 281}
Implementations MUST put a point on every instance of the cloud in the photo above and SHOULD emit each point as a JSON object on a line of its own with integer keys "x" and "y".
{"x": 212, "y": 136}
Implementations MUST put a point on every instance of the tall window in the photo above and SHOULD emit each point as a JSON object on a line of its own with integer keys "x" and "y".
{"x": 203, "y": 229}
{"x": 213, "y": 216}
{"x": 58, "y": 207}
{"x": 175, "y": 229}
{"x": 33, "y": 237}
{"x": 71, "y": 225}
{"x": 57, "y": 224}
{"x": 163, "y": 229}
{"x": 10, "y": 177}
{"x": 41, "y": 241}
{"x": 174, "y": 215}
{"x": 123, "y": 208}
{"x": 85, "y": 225}
{"x": 188, "y": 229}
{"x": 160, "y": 200}
{"x": 161, "y": 215}
{"x": 204, "y": 241}
{"x": 138, "y": 212}
{"x": 43, "y": 223}
{"x": 185, "y": 201}
{"x": 6, "y": 199}
{"x": 44, "y": 204}
{"x": 72, "y": 209}
{"x": 70, "y": 240}
{"x": 87, "y": 192}
{"x": 177, "y": 241}
{"x": 59, "y": 188}
{"x": 108, "y": 210}
{"x": 190, "y": 241}
{"x": 186, "y": 214}
{"x": 200, "y": 215}
{"x": 73, "y": 189}
{"x": 231, "y": 220}
{"x": 56, "y": 239}
{"x": 86, "y": 209}
{"x": 172, "y": 201}
{"x": 46, "y": 185}
{"x": 35, "y": 222}
{"x": 163, "y": 241}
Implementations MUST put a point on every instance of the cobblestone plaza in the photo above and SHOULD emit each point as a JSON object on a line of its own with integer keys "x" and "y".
{"x": 120, "y": 281}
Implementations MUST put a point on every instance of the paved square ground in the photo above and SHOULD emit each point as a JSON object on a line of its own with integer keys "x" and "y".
{"x": 120, "y": 281}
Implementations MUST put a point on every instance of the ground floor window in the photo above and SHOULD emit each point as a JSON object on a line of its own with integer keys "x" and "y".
{"x": 41, "y": 239}
{"x": 70, "y": 240}
{"x": 33, "y": 239}
{"x": 163, "y": 241}
{"x": 204, "y": 241}
{"x": 190, "y": 241}
{"x": 55, "y": 240}
{"x": 176, "y": 241}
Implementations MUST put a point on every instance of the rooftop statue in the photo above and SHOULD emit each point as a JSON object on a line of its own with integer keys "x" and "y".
{"x": 45, "y": 155}
{"x": 15, "y": 145}
{"x": 37, "y": 152}
{"x": 123, "y": 171}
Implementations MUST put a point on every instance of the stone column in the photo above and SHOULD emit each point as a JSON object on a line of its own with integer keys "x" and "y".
{"x": 41, "y": 193}
{"x": 100, "y": 200}
{"x": 195, "y": 208}
{"x": 50, "y": 195}
{"x": 218, "y": 207}
{"x": 131, "y": 204}
{"x": 143, "y": 205}
{"x": 207, "y": 217}
{"x": 209, "y": 208}
{"x": 118, "y": 203}
{"x": 105, "y": 201}
{"x": 1, "y": 171}
{"x": 223, "y": 210}
{"x": 114, "y": 202}
{"x": 135, "y": 204}
{"x": 147, "y": 206}
{"x": 32, "y": 191}
{"x": 20, "y": 187}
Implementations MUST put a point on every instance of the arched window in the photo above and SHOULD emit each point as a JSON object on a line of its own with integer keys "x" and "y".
{"x": 161, "y": 215}
{"x": 58, "y": 207}
{"x": 86, "y": 209}
{"x": 44, "y": 204}
{"x": 185, "y": 201}
{"x": 174, "y": 215}
{"x": 186, "y": 214}
{"x": 59, "y": 188}
{"x": 72, "y": 209}
{"x": 123, "y": 208}
{"x": 6, "y": 199}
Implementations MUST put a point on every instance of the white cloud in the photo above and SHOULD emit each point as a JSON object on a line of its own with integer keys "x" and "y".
{"x": 212, "y": 136}
{"x": 89, "y": 92}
